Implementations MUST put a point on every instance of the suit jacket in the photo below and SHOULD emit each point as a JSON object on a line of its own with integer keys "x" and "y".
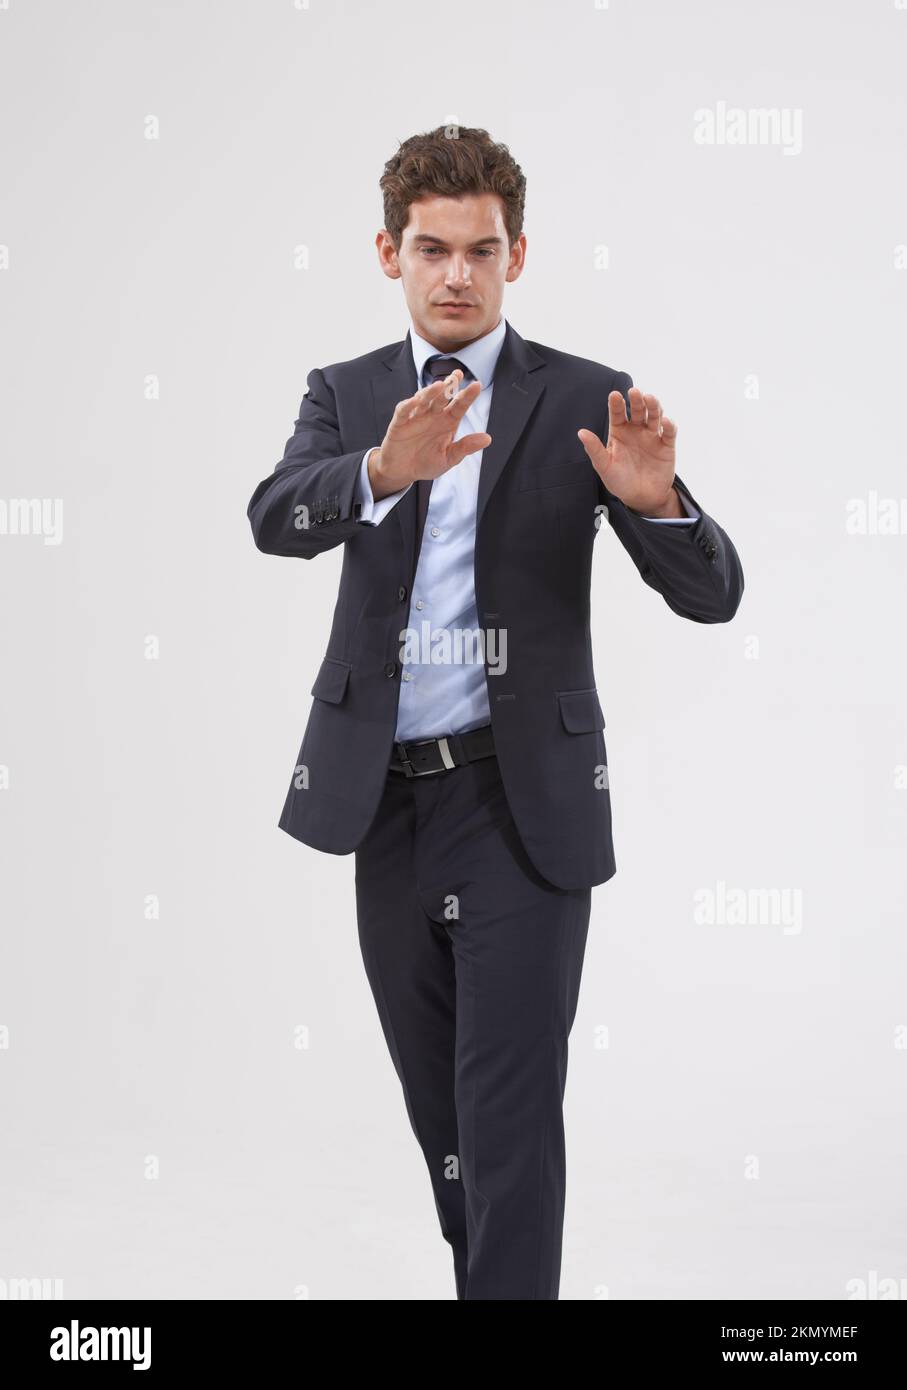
{"x": 540, "y": 506}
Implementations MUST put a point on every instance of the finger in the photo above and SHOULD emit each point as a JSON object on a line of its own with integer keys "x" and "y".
{"x": 426, "y": 400}
{"x": 617, "y": 409}
{"x": 430, "y": 392}
{"x": 653, "y": 412}
{"x": 450, "y": 386}
{"x": 407, "y": 408}
{"x": 668, "y": 430}
{"x": 461, "y": 402}
{"x": 637, "y": 406}
{"x": 469, "y": 444}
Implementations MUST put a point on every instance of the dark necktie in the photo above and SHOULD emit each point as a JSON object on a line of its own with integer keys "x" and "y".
{"x": 435, "y": 368}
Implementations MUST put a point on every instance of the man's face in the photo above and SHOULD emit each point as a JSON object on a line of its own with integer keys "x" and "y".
{"x": 454, "y": 261}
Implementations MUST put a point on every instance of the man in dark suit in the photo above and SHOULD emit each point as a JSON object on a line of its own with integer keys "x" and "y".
{"x": 455, "y": 740}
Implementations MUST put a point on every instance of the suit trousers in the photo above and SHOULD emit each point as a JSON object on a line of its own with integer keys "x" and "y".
{"x": 474, "y": 961}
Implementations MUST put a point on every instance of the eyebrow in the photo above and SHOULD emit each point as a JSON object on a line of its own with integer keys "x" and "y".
{"x": 437, "y": 241}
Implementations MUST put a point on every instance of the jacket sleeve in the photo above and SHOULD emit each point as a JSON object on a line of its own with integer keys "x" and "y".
{"x": 309, "y": 503}
{"x": 695, "y": 568}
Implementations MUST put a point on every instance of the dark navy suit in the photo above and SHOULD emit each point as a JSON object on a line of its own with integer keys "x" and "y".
{"x": 473, "y": 886}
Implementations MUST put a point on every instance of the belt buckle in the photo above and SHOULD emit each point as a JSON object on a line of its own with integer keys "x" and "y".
{"x": 443, "y": 748}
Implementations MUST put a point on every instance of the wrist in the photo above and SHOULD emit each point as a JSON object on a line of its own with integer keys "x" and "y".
{"x": 670, "y": 509}
{"x": 381, "y": 482}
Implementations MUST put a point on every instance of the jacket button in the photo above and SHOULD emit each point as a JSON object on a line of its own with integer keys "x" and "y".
{"x": 401, "y": 592}
{"x": 390, "y": 669}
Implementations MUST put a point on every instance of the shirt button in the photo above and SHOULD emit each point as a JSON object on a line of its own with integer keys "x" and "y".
{"x": 435, "y": 531}
{"x": 406, "y": 676}
{"x": 390, "y": 669}
{"x": 419, "y": 603}
{"x": 401, "y": 592}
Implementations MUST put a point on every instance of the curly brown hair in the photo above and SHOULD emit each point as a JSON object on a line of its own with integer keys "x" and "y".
{"x": 448, "y": 162}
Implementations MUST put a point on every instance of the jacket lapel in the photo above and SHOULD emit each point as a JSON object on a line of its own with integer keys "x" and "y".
{"x": 517, "y": 388}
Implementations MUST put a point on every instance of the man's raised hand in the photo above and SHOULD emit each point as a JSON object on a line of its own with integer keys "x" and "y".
{"x": 419, "y": 442}
{"x": 637, "y": 464}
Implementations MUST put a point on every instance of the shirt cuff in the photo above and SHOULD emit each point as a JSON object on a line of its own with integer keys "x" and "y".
{"x": 370, "y": 511}
{"x": 691, "y": 514}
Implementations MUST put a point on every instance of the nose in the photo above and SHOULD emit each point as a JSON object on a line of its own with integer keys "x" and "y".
{"x": 457, "y": 277}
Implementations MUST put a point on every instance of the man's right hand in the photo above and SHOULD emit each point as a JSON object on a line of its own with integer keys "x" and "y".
{"x": 420, "y": 437}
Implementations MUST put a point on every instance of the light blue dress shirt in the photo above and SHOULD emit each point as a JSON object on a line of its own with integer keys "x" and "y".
{"x": 450, "y": 696}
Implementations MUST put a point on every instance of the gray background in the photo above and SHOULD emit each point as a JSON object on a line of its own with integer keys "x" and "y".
{"x": 742, "y": 1135}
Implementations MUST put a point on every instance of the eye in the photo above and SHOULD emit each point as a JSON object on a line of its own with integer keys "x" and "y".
{"x": 483, "y": 251}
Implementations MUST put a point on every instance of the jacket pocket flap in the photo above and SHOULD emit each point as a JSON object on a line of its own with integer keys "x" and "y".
{"x": 581, "y": 711}
{"x": 330, "y": 683}
{"x": 575, "y": 471}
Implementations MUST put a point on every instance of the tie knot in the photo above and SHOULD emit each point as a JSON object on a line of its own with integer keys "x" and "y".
{"x": 440, "y": 367}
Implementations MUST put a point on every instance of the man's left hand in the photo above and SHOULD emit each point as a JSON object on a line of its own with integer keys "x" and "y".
{"x": 637, "y": 464}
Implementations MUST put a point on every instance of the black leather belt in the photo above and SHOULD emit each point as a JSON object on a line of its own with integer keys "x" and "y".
{"x": 442, "y": 754}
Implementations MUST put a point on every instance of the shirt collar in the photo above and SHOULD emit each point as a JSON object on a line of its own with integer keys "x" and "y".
{"x": 480, "y": 357}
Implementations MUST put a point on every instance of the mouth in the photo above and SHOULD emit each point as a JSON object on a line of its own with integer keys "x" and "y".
{"x": 455, "y": 304}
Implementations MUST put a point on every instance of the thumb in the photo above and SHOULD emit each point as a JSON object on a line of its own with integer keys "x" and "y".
{"x": 593, "y": 447}
{"x": 469, "y": 444}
